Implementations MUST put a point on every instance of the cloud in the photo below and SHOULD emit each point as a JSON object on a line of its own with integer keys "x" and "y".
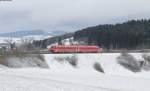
{"x": 68, "y": 15}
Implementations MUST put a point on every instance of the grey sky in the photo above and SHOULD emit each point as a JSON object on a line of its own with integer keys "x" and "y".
{"x": 68, "y": 15}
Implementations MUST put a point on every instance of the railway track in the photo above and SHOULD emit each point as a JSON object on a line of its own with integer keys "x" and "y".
{"x": 39, "y": 52}
{"x": 48, "y": 52}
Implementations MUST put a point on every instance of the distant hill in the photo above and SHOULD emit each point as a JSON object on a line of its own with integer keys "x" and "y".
{"x": 24, "y": 33}
{"x": 57, "y": 33}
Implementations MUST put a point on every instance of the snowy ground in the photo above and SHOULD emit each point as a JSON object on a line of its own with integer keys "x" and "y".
{"x": 65, "y": 77}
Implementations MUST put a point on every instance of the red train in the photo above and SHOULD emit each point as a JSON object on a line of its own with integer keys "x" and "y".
{"x": 75, "y": 49}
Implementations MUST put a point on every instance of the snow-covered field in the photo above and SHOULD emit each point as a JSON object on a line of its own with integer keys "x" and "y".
{"x": 62, "y": 76}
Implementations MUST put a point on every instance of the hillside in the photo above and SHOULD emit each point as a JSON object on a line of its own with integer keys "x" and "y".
{"x": 134, "y": 34}
{"x": 130, "y": 35}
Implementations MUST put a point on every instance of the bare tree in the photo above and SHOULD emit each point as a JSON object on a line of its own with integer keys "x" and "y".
{"x": 26, "y": 45}
{"x": 9, "y": 42}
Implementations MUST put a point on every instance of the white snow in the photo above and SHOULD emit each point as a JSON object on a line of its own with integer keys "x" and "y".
{"x": 65, "y": 77}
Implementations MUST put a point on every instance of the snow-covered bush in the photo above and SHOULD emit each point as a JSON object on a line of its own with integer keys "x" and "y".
{"x": 146, "y": 57}
{"x": 60, "y": 59}
{"x": 2, "y": 66}
{"x": 129, "y": 62}
{"x": 2, "y": 60}
{"x": 41, "y": 57}
{"x": 146, "y": 63}
{"x": 24, "y": 60}
{"x": 73, "y": 59}
{"x": 98, "y": 67}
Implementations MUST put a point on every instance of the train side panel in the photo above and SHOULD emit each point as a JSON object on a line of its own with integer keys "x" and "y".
{"x": 75, "y": 49}
{"x": 89, "y": 49}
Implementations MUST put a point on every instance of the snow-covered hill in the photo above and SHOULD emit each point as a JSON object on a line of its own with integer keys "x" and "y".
{"x": 19, "y": 34}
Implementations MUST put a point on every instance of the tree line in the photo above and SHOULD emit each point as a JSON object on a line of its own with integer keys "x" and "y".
{"x": 134, "y": 34}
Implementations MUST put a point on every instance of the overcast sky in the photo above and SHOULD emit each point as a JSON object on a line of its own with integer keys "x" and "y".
{"x": 68, "y": 15}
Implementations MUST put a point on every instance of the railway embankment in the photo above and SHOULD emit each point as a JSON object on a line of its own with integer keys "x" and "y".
{"x": 107, "y": 63}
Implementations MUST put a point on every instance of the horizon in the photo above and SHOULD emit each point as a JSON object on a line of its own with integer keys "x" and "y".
{"x": 71, "y": 31}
